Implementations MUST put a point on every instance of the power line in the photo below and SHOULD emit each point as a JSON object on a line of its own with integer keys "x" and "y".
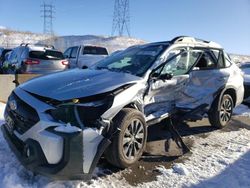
{"x": 121, "y": 18}
{"x": 48, "y": 11}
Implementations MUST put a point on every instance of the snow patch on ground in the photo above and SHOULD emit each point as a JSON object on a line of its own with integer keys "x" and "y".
{"x": 179, "y": 168}
{"x": 220, "y": 160}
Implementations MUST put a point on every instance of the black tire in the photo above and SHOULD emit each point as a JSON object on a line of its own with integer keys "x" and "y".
{"x": 128, "y": 121}
{"x": 221, "y": 111}
{"x": 84, "y": 67}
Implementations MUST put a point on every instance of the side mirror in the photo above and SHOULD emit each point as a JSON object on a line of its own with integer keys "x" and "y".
{"x": 167, "y": 76}
{"x": 157, "y": 76}
{"x": 66, "y": 56}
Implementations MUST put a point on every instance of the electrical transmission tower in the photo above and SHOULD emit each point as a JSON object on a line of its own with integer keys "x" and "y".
{"x": 48, "y": 10}
{"x": 121, "y": 18}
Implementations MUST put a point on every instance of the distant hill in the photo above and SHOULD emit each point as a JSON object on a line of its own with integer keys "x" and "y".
{"x": 240, "y": 58}
{"x": 112, "y": 43}
{"x": 11, "y": 38}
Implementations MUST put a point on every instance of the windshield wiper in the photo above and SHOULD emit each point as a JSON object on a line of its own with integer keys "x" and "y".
{"x": 106, "y": 68}
{"x": 114, "y": 69}
{"x": 101, "y": 68}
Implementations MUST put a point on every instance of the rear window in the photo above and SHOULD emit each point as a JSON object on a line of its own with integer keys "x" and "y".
{"x": 94, "y": 50}
{"x": 46, "y": 55}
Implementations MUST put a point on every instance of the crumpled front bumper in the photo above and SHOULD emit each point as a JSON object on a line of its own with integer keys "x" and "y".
{"x": 73, "y": 162}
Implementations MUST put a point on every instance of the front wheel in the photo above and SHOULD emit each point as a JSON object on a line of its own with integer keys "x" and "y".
{"x": 221, "y": 111}
{"x": 129, "y": 142}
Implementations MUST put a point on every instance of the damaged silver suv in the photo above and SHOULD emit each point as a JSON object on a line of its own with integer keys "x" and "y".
{"x": 60, "y": 125}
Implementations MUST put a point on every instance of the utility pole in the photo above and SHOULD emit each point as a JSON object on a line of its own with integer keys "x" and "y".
{"x": 121, "y": 18}
{"x": 48, "y": 11}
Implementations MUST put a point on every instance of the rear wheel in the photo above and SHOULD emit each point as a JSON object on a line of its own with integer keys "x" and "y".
{"x": 221, "y": 111}
{"x": 84, "y": 67}
{"x": 128, "y": 143}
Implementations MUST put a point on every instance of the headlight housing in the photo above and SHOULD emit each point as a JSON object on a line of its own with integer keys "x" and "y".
{"x": 84, "y": 113}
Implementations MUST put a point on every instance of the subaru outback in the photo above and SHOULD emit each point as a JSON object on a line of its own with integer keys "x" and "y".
{"x": 60, "y": 125}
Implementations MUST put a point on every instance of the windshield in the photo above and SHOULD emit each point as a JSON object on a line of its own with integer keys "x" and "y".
{"x": 134, "y": 60}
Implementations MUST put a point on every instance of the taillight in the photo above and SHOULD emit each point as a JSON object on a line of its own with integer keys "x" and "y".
{"x": 31, "y": 62}
{"x": 65, "y": 62}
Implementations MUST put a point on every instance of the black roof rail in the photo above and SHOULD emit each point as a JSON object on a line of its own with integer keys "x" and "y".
{"x": 180, "y": 37}
{"x": 177, "y": 38}
{"x": 24, "y": 44}
{"x": 201, "y": 40}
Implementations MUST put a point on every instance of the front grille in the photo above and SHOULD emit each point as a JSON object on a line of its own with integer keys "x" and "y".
{"x": 24, "y": 116}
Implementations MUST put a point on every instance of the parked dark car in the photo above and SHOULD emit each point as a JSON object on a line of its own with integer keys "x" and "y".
{"x": 245, "y": 67}
{"x": 3, "y": 56}
{"x": 37, "y": 59}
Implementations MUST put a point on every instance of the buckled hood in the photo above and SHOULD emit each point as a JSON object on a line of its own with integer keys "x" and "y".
{"x": 77, "y": 83}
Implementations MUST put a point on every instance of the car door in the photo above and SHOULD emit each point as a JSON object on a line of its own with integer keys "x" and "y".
{"x": 74, "y": 57}
{"x": 206, "y": 80}
{"x": 166, "y": 82}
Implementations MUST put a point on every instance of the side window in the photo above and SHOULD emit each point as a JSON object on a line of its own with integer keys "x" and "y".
{"x": 25, "y": 53}
{"x": 178, "y": 63}
{"x": 218, "y": 55}
{"x": 194, "y": 55}
{"x": 19, "y": 52}
{"x": 74, "y": 52}
{"x": 206, "y": 61}
{"x": 221, "y": 63}
{"x": 67, "y": 52}
{"x": 228, "y": 62}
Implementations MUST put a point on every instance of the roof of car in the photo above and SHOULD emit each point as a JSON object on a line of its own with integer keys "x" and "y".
{"x": 185, "y": 40}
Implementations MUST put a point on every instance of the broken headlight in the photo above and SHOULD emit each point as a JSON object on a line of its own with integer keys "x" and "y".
{"x": 81, "y": 112}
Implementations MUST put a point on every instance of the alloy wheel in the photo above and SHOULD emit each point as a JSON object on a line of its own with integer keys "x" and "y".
{"x": 226, "y": 110}
{"x": 133, "y": 139}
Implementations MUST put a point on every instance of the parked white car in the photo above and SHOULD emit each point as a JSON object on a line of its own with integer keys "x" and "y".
{"x": 85, "y": 56}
